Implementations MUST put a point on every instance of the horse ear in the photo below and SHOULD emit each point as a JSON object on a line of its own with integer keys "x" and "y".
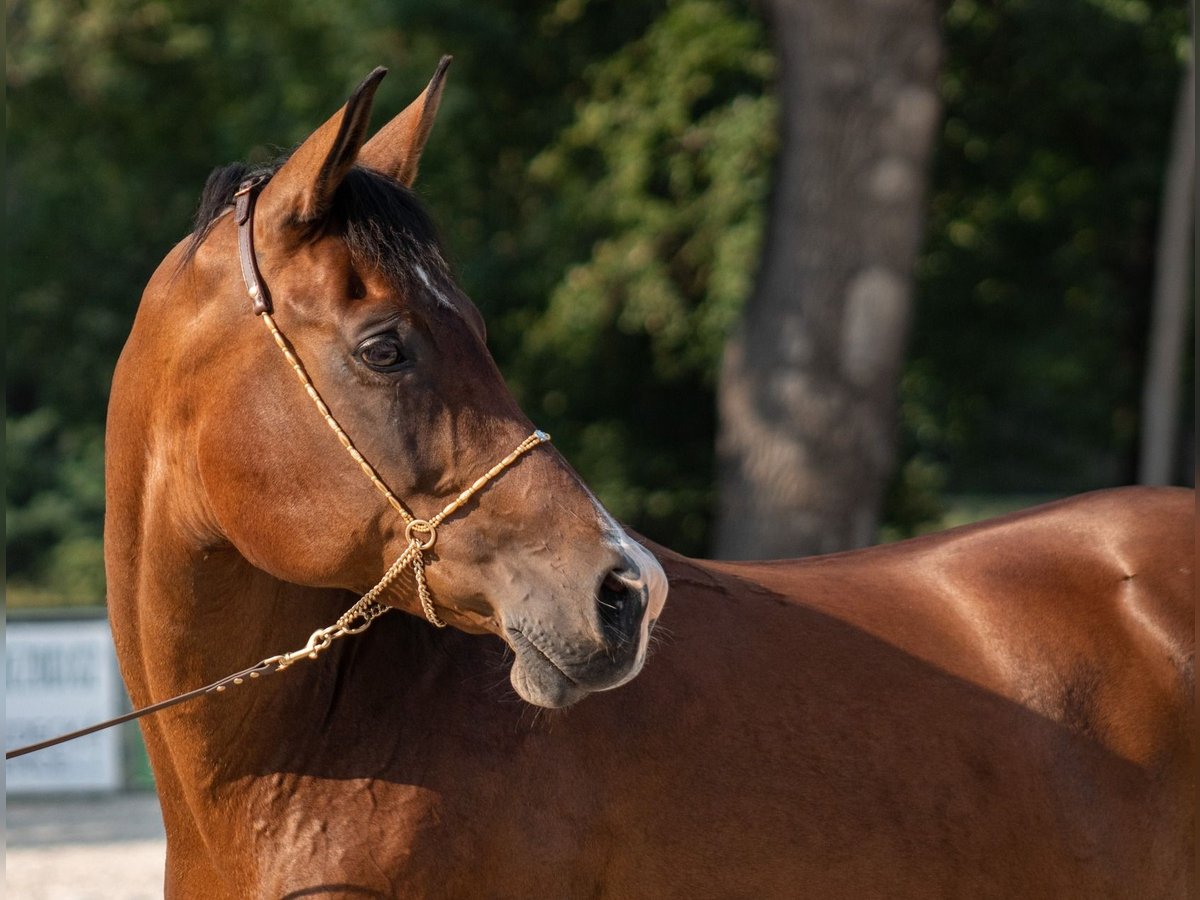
{"x": 303, "y": 188}
{"x": 396, "y": 148}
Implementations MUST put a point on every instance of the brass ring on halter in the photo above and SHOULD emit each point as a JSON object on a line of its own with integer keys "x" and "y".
{"x": 422, "y": 526}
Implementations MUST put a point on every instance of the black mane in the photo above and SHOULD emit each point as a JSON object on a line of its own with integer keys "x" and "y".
{"x": 383, "y": 223}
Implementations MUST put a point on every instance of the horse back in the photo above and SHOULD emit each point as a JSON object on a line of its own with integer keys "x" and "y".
{"x": 1018, "y": 691}
{"x": 1082, "y": 610}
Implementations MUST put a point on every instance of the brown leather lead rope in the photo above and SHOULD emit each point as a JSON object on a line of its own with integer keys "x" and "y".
{"x": 255, "y": 671}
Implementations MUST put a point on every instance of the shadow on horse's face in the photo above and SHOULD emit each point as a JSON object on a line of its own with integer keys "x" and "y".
{"x": 359, "y": 288}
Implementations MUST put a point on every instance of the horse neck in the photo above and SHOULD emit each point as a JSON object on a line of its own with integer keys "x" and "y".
{"x": 185, "y": 616}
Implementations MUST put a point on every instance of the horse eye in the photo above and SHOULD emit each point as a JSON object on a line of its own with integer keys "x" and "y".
{"x": 382, "y": 353}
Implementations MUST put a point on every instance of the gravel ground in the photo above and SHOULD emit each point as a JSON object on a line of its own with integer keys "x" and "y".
{"x": 103, "y": 848}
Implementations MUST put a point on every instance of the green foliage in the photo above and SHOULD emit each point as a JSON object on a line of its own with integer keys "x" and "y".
{"x": 599, "y": 171}
{"x": 116, "y": 111}
{"x": 55, "y": 508}
{"x": 1034, "y": 288}
{"x": 660, "y": 181}
{"x": 665, "y": 168}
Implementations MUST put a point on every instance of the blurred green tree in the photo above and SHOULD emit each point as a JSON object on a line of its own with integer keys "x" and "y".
{"x": 660, "y": 183}
{"x": 600, "y": 172}
{"x": 807, "y": 396}
{"x": 1034, "y": 288}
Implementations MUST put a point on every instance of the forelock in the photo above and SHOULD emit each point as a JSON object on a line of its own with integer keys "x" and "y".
{"x": 383, "y": 223}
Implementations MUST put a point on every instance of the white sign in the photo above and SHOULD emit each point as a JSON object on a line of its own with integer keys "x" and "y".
{"x": 61, "y": 676}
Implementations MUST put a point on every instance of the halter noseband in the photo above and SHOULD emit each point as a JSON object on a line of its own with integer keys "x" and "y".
{"x": 419, "y": 533}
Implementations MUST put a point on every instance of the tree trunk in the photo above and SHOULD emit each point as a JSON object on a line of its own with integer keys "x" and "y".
{"x": 1169, "y": 316}
{"x": 807, "y": 396}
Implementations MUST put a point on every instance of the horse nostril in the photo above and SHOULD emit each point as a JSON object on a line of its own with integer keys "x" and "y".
{"x": 613, "y": 584}
{"x": 619, "y": 607}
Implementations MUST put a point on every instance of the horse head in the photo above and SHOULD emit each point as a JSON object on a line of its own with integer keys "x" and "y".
{"x": 359, "y": 286}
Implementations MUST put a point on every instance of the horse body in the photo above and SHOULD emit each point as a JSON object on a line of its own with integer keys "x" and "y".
{"x": 1002, "y": 710}
{"x": 929, "y": 719}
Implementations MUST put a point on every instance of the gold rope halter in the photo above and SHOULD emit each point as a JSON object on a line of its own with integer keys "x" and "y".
{"x": 421, "y": 534}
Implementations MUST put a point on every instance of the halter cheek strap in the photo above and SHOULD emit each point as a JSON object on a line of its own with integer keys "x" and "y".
{"x": 243, "y": 214}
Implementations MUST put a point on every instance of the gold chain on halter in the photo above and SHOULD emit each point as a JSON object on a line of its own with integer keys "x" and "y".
{"x": 421, "y": 534}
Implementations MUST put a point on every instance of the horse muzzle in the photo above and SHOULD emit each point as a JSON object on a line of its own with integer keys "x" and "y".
{"x": 558, "y": 664}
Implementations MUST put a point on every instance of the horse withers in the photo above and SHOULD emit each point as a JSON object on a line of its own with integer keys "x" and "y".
{"x": 1003, "y": 710}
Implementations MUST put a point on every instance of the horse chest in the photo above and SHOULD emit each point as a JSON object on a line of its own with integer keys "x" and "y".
{"x": 391, "y": 838}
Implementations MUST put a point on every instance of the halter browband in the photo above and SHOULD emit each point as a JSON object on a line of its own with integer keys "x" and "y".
{"x": 420, "y": 533}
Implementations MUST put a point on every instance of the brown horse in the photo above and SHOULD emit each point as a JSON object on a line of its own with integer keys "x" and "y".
{"x": 1003, "y": 710}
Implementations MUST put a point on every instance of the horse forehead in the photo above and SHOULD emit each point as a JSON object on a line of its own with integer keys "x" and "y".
{"x": 445, "y": 293}
{"x": 327, "y": 267}
{"x": 425, "y": 294}
{"x": 334, "y": 262}
{"x": 439, "y": 289}
{"x": 326, "y": 261}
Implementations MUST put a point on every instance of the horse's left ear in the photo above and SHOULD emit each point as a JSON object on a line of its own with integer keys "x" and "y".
{"x": 302, "y": 190}
{"x": 396, "y": 149}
